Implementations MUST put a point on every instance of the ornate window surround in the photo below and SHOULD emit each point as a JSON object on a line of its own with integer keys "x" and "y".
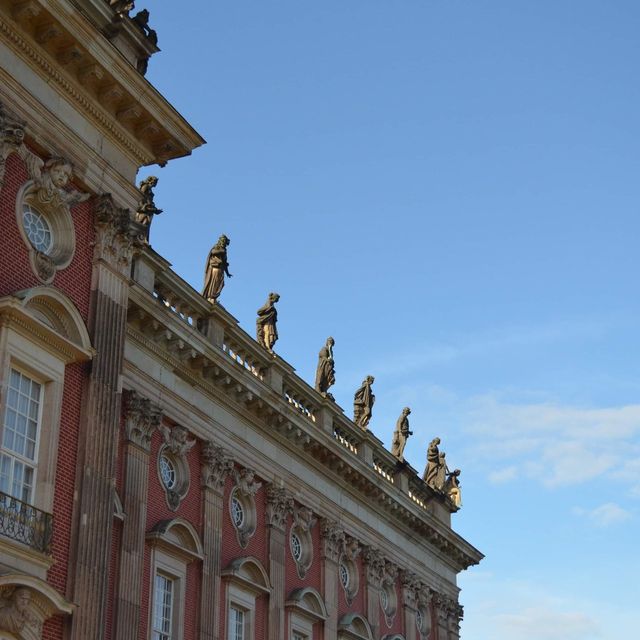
{"x": 244, "y": 492}
{"x": 175, "y": 448}
{"x": 175, "y": 544}
{"x": 41, "y": 332}
{"x": 303, "y": 522}
{"x": 306, "y": 608}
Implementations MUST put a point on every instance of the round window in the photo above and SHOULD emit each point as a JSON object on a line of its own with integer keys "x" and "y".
{"x": 167, "y": 472}
{"x": 345, "y": 578}
{"x": 237, "y": 512}
{"x": 37, "y": 229}
{"x": 419, "y": 619}
{"x": 384, "y": 600}
{"x": 296, "y": 547}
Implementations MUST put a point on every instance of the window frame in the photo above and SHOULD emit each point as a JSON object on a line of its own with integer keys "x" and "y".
{"x": 245, "y": 601}
{"x": 175, "y": 569}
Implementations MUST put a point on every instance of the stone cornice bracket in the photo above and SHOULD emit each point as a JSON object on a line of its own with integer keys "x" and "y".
{"x": 216, "y": 466}
{"x": 279, "y": 505}
{"x": 114, "y": 233}
{"x": 141, "y": 420}
{"x": 333, "y": 539}
{"x": 303, "y": 518}
{"x": 375, "y": 566}
{"x": 12, "y": 133}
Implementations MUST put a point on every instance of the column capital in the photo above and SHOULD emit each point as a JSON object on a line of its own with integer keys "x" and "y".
{"x": 333, "y": 539}
{"x": 142, "y": 418}
{"x": 216, "y": 466}
{"x": 279, "y": 504}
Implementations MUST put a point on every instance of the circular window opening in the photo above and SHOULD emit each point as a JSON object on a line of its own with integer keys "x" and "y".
{"x": 345, "y": 578}
{"x": 419, "y": 619}
{"x": 296, "y": 547}
{"x": 384, "y": 600}
{"x": 237, "y": 513}
{"x": 37, "y": 229}
{"x": 167, "y": 472}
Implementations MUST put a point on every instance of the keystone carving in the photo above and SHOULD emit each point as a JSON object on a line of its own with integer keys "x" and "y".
{"x": 141, "y": 419}
{"x": 333, "y": 539}
{"x": 216, "y": 466}
{"x": 176, "y": 440}
{"x": 279, "y": 504}
{"x": 17, "y": 614}
{"x": 303, "y": 518}
{"x": 352, "y": 548}
{"x": 244, "y": 480}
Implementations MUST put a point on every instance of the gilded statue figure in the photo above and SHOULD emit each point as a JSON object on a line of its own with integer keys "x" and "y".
{"x": 15, "y": 612}
{"x": 452, "y": 487}
{"x": 326, "y": 372}
{"x": 266, "y": 323}
{"x": 431, "y": 472}
{"x": 216, "y": 269}
{"x": 401, "y": 434}
{"x": 363, "y": 403}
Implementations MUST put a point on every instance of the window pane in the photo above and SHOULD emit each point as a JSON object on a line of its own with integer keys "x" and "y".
{"x": 162, "y": 607}
{"x": 236, "y": 624}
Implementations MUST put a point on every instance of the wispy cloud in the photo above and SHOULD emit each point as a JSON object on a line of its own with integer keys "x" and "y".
{"x": 554, "y": 444}
{"x": 605, "y": 515}
{"x": 540, "y": 623}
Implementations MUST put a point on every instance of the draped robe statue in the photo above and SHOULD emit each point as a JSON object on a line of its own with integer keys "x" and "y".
{"x": 363, "y": 403}
{"x": 326, "y": 373}
{"x": 266, "y": 329}
{"x": 452, "y": 488}
{"x": 401, "y": 434}
{"x": 430, "y": 475}
{"x": 216, "y": 269}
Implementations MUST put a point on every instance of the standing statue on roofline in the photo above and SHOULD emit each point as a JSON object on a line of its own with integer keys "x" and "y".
{"x": 215, "y": 270}
{"x": 401, "y": 434}
{"x": 430, "y": 474}
{"x": 266, "y": 323}
{"x": 363, "y": 403}
{"x": 326, "y": 372}
{"x": 146, "y": 205}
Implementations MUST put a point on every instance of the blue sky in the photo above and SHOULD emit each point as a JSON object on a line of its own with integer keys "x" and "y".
{"x": 450, "y": 189}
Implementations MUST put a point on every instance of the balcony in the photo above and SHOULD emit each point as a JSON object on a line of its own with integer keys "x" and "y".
{"x": 24, "y": 523}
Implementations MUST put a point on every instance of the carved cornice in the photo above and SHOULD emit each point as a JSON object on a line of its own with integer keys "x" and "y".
{"x": 279, "y": 505}
{"x": 142, "y": 418}
{"x": 333, "y": 539}
{"x": 216, "y": 466}
{"x": 161, "y": 331}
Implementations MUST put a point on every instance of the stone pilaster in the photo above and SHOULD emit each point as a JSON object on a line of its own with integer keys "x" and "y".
{"x": 409, "y": 583}
{"x": 141, "y": 420}
{"x": 89, "y": 563}
{"x": 442, "y": 607}
{"x": 333, "y": 544}
{"x": 216, "y": 466}
{"x": 279, "y": 504}
{"x": 375, "y": 572}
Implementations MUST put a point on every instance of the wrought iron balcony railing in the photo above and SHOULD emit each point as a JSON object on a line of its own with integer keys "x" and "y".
{"x": 23, "y": 522}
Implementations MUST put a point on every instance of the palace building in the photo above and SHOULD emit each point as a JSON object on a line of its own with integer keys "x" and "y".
{"x": 163, "y": 475}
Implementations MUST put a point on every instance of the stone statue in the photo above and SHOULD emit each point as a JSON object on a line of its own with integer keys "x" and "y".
{"x": 52, "y": 178}
{"x": 142, "y": 20}
{"x": 432, "y": 470}
{"x": 401, "y": 434}
{"x": 326, "y": 372}
{"x": 363, "y": 403}
{"x": 122, "y": 7}
{"x": 15, "y": 612}
{"x": 452, "y": 487}
{"x": 216, "y": 269}
{"x": 266, "y": 323}
{"x": 146, "y": 205}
